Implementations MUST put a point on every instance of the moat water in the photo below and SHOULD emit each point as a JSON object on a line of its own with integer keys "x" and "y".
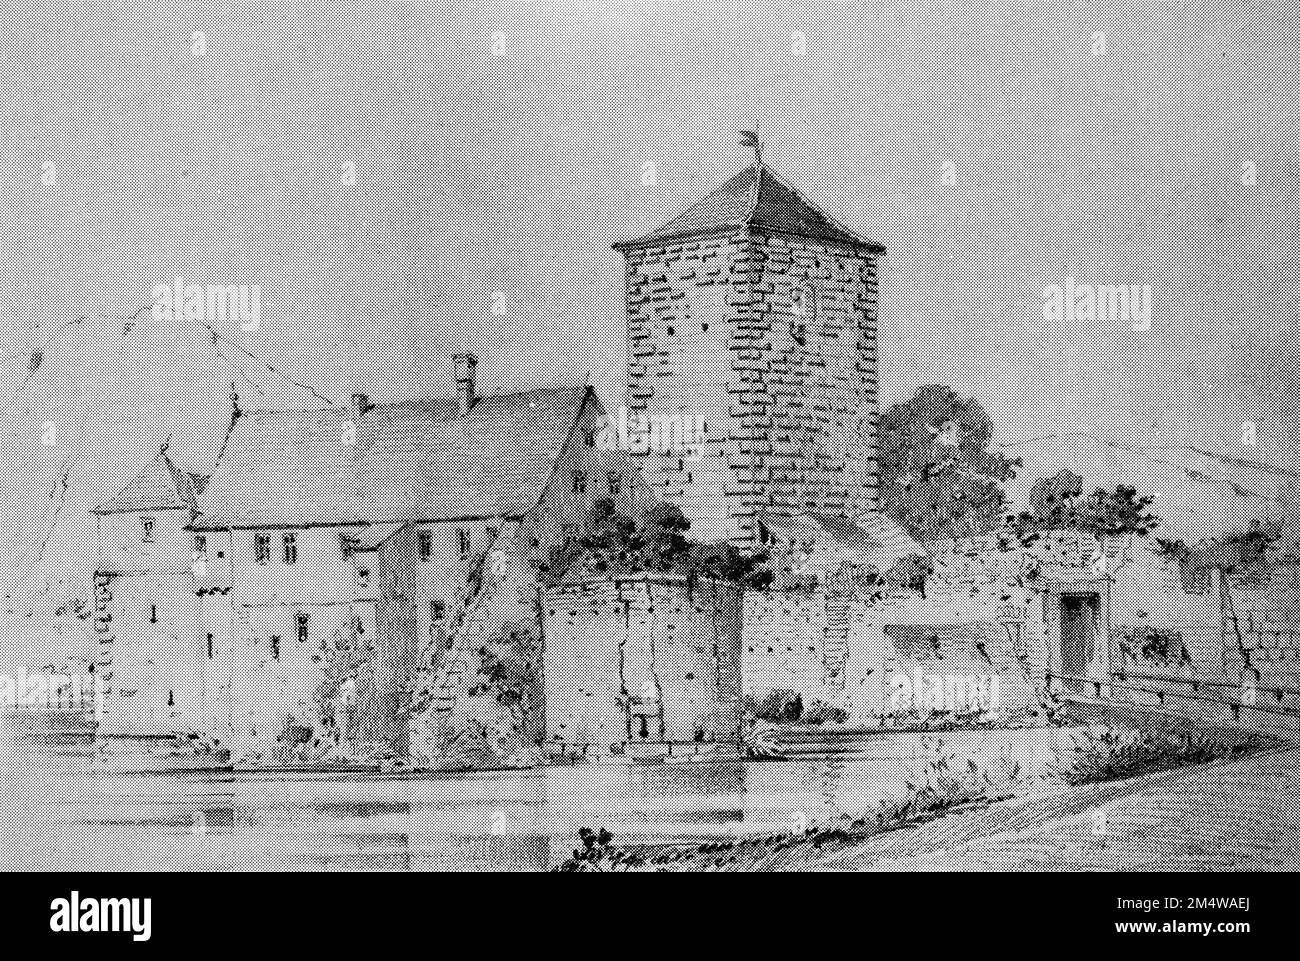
{"x": 59, "y": 812}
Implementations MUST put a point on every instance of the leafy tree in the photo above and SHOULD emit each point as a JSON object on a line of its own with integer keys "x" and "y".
{"x": 1246, "y": 556}
{"x": 938, "y": 478}
{"x": 656, "y": 542}
{"x": 910, "y": 573}
{"x": 1058, "y": 503}
{"x": 1051, "y": 496}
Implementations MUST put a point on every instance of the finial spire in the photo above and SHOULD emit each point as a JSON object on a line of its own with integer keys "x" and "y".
{"x": 749, "y": 138}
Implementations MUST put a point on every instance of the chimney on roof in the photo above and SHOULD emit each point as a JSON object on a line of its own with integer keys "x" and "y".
{"x": 464, "y": 367}
{"x": 360, "y": 404}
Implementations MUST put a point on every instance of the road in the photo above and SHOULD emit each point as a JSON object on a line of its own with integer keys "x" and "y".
{"x": 1241, "y": 814}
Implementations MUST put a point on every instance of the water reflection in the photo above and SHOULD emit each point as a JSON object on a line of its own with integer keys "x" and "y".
{"x": 58, "y": 812}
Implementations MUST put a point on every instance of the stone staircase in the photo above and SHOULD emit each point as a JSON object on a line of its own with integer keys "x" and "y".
{"x": 835, "y": 646}
{"x": 103, "y": 624}
{"x": 434, "y": 704}
{"x": 504, "y": 592}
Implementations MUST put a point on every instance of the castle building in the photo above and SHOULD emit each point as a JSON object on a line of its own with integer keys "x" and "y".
{"x": 225, "y": 603}
{"x": 756, "y": 312}
{"x": 144, "y": 600}
{"x": 361, "y": 561}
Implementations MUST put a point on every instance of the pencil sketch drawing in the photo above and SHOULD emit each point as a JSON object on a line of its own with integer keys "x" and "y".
{"x": 670, "y": 437}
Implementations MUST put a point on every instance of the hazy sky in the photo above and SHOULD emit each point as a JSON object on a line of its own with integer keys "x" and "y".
{"x": 479, "y": 173}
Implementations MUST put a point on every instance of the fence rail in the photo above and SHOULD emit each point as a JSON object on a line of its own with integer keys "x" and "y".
{"x": 1103, "y": 690}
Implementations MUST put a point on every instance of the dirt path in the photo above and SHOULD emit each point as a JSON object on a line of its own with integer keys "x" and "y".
{"x": 1240, "y": 814}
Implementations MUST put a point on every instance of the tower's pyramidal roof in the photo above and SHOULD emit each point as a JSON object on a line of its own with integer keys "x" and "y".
{"x": 736, "y": 205}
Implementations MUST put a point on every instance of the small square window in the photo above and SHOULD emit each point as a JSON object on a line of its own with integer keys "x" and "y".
{"x": 803, "y": 302}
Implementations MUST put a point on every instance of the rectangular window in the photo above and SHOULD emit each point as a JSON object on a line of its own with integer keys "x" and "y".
{"x": 615, "y": 483}
{"x": 491, "y": 535}
{"x": 262, "y": 548}
{"x": 153, "y": 613}
{"x": 290, "y": 548}
{"x": 803, "y": 303}
{"x": 275, "y": 647}
{"x": 437, "y": 613}
{"x": 210, "y": 639}
{"x": 426, "y": 545}
{"x": 201, "y": 547}
{"x": 363, "y": 578}
{"x": 579, "y": 482}
{"x": 302, "y": 628}
{"x": 146, "y": 529}
{"x": 462, "y": 538}
{"x": 348, "y": 545}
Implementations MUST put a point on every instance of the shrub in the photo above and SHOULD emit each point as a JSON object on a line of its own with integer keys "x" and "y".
{"x": 1106, "y": 754}
{"x": 776, "y": 707}
{"x": 594, "y": 855}
{"x": 1154, "y": 644}
{"x": 655, "y": 542}
{"x": 819, "y": 712}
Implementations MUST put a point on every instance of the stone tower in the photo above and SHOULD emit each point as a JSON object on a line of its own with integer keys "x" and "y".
{"x": 757, "y": 312}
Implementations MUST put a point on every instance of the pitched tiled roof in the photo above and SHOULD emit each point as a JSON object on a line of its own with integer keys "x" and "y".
{"x": 733, "y": 206}
{"x": 873, "y": 537}
{"x": 413, "y": 460}
{"x": 159, "y": 487}
{"x": 871, "y": 533}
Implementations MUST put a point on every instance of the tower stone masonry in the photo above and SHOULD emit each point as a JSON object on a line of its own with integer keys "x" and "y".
{"x": 756, "y": 311}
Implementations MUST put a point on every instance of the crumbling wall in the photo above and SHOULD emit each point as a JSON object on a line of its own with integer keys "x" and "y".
{"x": 477, "y": 690}
{"x": 788, "y": 646}
{"x": 989, "y": 610}
{"x": 642, "y": 660}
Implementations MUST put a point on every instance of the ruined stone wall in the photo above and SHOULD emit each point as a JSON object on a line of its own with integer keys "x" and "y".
{"x": 987, "y": 610}
{"x": 773, "y": 341}
{"x": 642, "y": 659}
{"x": 1150, "y": 591}
{"x": 785, "y": 641}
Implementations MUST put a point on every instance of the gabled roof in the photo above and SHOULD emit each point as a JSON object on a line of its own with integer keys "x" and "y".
{"x": 775, "y": 207}
{"x": 416, "y": 460}
{"x": 159, "y": 487}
